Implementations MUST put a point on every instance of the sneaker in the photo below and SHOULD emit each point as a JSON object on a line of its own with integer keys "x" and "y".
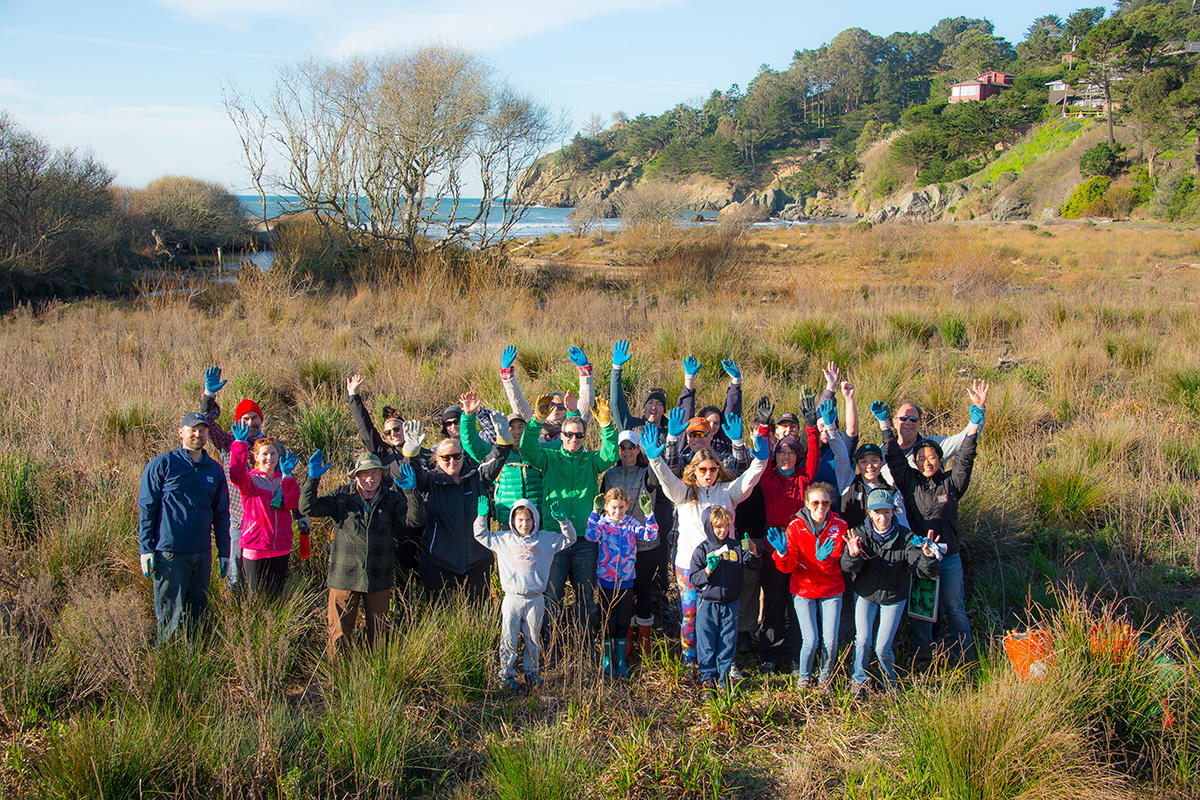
{"x": 512, "y": 684}
{"x": 859, "y": 691}
{"x": 708, "y": 689}
{"x": 735, "y": 674}
{"x": 803, "y": 682}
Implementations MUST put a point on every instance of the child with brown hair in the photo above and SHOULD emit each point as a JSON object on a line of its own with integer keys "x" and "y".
{"x": 269, "y": 494}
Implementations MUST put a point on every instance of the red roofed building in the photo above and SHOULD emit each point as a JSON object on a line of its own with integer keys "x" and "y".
{"x": 983, "y": 87}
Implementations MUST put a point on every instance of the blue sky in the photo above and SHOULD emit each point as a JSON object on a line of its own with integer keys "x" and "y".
{"x": 139, "y": 83}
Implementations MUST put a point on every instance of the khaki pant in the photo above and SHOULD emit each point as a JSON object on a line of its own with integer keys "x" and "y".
{"x": 343, "y": 616}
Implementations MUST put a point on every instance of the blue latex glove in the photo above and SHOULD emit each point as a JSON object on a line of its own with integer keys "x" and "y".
{"x": 776, "y": 538}
{"x": 651, "y": 447}
{"x": 556, "y": 511}
{"x": 288, "y": 463}
{"x": 317, "y": 466}
{"x": 577, "y": 357}
{"x": 212, "y": 379}
{"x": 676, "y": 424}
{"x": 691, "y": 366}
{"x": 408, "y": 478}
{"x": 223, "y": 565}
{"x": 731, "y": 368}
{"x": 241, "y": 432}
{"x": 826, "y": 549}
{"x": 508, "y": 357}
{"x": 711, "y": 561}
{"x": 828, "y": 412}
{"x": 761, "y": 450}
{"x": 976, "y": 414}
{"x": 621, "y": 353}
{"x": 733, "y": 427}
{"x": 482, "y": 507}
{"x": 880, "y": 410}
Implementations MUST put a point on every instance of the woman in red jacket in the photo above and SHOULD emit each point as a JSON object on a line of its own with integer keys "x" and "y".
{"x": 811, "y": 552}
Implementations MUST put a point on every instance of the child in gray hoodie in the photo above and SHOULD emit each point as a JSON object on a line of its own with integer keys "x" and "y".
{"x": 524, "y": 553}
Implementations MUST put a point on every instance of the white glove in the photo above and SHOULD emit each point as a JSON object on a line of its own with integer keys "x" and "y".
{"x": 412, "y": 437}
{"x": 500, "y": 423}
{"x": 147, "y": 563}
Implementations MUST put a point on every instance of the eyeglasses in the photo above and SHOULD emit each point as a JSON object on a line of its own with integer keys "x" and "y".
{"x": 909, "y": 419}
{"x": 628, "y": 446}
{"x": 451, "y": 457}
{"x": 392, "y": 431}
{"x": 696, "y": 435}
{"x": 819, "y": 503}
{"x": 557, "y": 405}
{"x": 573, "y": 434}
{"x": 266, "y": 440}
{"x": 707, "y": 470}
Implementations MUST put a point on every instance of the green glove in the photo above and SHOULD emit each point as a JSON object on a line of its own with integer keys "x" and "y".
{"x": 598, "y": 504}
{"x": 556, "y": 511}
{"x": 711, "y": 561}
{"x": 482, "y": 507}
{"x": 646, "y": 503}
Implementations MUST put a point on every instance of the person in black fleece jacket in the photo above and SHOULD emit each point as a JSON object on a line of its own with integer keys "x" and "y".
{"x": 716, "y": 572}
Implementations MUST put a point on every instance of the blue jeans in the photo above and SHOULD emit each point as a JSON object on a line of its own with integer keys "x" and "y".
{"x": 234, "y": 574}
{"x": 889, "y": 615}
{"x": 579, "y": 562}
{"x": 180, "y": 590}
{"x": 952, "y": 613}
{"x": 716, "y": 637}
{"x": 830, "y": 612}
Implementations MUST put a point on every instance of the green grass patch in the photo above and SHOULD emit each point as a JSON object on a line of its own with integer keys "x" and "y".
{"x": 1047, "y": 139}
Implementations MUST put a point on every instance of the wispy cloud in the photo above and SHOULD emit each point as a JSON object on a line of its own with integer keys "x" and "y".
{"x": 13, "y": 89}
{"x": 128, "y": 45}
{"x": 236, "y": 13}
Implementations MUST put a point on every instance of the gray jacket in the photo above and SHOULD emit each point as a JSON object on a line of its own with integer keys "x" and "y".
{"x": 524, "y": 561}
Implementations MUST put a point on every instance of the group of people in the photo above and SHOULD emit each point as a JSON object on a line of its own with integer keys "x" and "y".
{"x": 772, "y": 537}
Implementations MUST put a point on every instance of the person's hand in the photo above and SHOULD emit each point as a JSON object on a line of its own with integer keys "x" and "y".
{"x": 831, "y": 373}
{"x": 580, "y": 360}
{"x": 147, "y": 563}
{"x": 733, "y": 427}
{"x": 711, "y": 561}
{"x": 598, "y": 504}
{"x": 212, "y": 380}
{"x": 240, "y": 431}
{"x": 500, "y": 424}
{"x": 482, "y": 506}
{"x": 543, "y": 407}
{"x": 651, "y": 447}
{"x": 646, "y": 503}
{"x": 731, "y": 369}
{"x": 223, "y": 563}
{"x": 602, "y": 412}
{"x": 978, "y": 392}
{"x": 620, "y": 353}
{"x": 676, "y": 424}
{"x": 408, "y": 478}
{"x": 853, "y": 544}
{"x": 469, "y": 401}
{"x": 761, "y": 450}
{"x": 825, "y": 550}
{"x": 414, "y": 435}
{"x": 507, "y": 358}
{"x": 748, "y": 545}
{"x": 288, "y": 463}
{"x": 570, "y": 401}
{"x": 808, "y": 408}
{"x": 777, "y": 539}
{"x": 930, "y": 546}
{"x": 976, "y": 415}
{"x": 764, "y": 410}
{"x": 556, "y": 512}
{"x": 828, "y": 412}
{"x": 848, "y": 390}
{"x": 691, "y": 366}
{"x": 353, "y": 384}
{"x": 880, "y": 410}
{"x": 303, "y": 526}
{"x": 317, "y": 466}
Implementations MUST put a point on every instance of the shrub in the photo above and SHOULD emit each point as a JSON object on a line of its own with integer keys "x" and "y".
{"x": 323, "y": 425}
{"x": 1176, "y": 197}
{"x": 19, "y": 496}
{"x": 190, "y": 212}
{"x": 1102, "y": 160}
{"x": 1068, "y": 489}
{"x": 541, "y": 765}
{"x": 1087, "y": 193}
{"x": 953, "y": 329}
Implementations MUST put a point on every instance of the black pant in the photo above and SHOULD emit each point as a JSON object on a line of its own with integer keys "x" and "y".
{"x": 265, "y": 576}
{"x": 616, "y": 610}
{"x": 439, "y": 582}
{"x": 649, "y": 564}
{"x": 778, "y": 615}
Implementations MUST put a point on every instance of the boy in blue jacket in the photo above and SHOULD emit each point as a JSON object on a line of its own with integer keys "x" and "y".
{"x": 716, "y": 572}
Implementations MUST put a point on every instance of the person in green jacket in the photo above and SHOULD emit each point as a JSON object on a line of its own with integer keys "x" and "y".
{"x": 518, "y": 479}
{"x": 571, "y": 475}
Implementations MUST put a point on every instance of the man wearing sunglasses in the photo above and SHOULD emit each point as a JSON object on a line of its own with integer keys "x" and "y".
{"x": 907, "y": 425}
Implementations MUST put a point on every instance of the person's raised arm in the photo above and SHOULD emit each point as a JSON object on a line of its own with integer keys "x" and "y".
{"x": 964, "y": 462}
{"x": 529, "y": 447}
{"x": 978, "y": 393}
{"x": 675, "y": 489}
{"x": 512, "y": 389}
{"x": 220, "y": 438}
{"x": 587, "y": 386}
{"x": 239, "y": 453}
{"x": 831, "y": 373}
{"x": 407, "y": 484}
{"x": 904, "y": 475}
{"x": 414, "y": 436}
{"x": 609, "y": 449}
{"x": 733, "y": 395}
{"x": 468, "y": 429}
{"x": 851, "y": 409}
{"x": 743, "y": 484}
{"x": 362, "y": 418}
{"x": 311, "y": 504}
{"x": 288, "y": 486}
{"x": 687, "y": 398}
{"x": 616, "y": 391}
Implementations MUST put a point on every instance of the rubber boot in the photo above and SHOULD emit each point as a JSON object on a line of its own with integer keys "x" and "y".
{"x": 606, "y": 663}
{"x": 643, "y": 640}
{"x": 630, "y": 644}
{"x": 619, "y": 652}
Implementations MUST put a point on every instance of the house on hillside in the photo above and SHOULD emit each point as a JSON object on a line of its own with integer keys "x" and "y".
{"x": 983, "y": 87}
{"x": 1081, "y": 100}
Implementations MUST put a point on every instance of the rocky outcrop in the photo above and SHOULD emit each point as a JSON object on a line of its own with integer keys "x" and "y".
{"x": 762, "y": 205}
{"x": 1008, "y": 208}
{"x": 927, "y": 204}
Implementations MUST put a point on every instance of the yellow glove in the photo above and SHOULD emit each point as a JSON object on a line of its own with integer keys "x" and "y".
{"x": 543, "y": 407}
{"x": 602, "y": 412}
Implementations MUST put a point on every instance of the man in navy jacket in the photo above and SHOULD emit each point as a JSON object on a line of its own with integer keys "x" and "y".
{"x": 183, "y": 499}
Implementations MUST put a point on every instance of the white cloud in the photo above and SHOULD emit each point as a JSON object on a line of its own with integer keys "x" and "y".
{"x": 14, "y": 89}
{"x": 233, "y": 13}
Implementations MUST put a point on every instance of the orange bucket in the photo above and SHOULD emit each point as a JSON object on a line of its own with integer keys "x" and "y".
{"x": 1116, "y": 641}
{"x": 1031, "y": 653}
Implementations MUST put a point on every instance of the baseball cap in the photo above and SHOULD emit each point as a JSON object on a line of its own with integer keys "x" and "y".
{"x": 193, "y": 419}
{"x": 879, "y": 499}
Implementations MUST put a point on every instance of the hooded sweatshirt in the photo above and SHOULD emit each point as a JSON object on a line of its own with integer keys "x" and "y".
{"x": 813, "y": 558}
{"x": 524, "y": 561}
{"x": 267, "y": 503}
{"x": 724, "y": 585}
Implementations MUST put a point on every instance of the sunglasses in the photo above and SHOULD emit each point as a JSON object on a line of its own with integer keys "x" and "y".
{"x": 707, "y": 470}
{"x": 819, "y": 503}
{"x": 909, "y": 419}
{"x": 557, "y": 405}
{"x": 627, "y": 446}
{"x": 572, "y": 435}
{"x": 696, "y": 435}
{"x": 451, "y": 457}
{"x": 393, "y": 431}
{"x": 266, "y": 440}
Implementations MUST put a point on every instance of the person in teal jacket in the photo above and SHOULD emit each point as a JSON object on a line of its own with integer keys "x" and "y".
{"x": 571, "y": 475}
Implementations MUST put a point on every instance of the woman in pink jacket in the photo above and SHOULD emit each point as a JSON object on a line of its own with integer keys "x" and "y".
{"x": 268, "y": 498}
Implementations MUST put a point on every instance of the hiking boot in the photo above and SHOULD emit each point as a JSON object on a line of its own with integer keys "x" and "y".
{"x": 511, "y": 684}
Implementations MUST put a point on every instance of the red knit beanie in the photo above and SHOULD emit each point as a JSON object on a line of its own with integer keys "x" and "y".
{"x": 245, "y": 407}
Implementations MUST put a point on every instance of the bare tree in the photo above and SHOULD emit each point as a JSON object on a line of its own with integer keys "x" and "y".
{"x": 251, "y": 123}
{"x": 384, "y": 148}
{"x": 594, "y": 126}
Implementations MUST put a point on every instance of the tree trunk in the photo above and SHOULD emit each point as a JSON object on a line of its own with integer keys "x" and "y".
{"x": 1108, "y": 111}
{"x": 1196, "y": 156}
